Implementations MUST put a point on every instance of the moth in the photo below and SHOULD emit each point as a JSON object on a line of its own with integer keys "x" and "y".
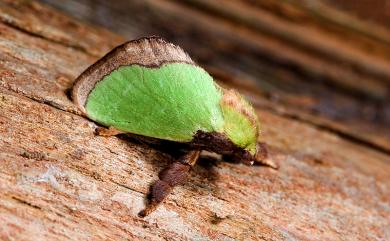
{"x": 152, "y": 88}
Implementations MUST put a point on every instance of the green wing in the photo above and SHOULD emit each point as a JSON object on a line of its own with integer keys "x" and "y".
{"x": 171, "y": 102}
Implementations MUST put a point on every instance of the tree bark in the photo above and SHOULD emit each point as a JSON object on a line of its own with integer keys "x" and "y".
{"x": 58, "y": 181}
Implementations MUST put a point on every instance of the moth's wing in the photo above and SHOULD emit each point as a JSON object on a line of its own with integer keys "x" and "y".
{"x": 171, "y": 102}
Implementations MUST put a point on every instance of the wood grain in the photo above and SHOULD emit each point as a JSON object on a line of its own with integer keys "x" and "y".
{"x": 58, "y": 181}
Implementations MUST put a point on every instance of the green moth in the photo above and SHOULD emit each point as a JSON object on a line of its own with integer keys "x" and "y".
{"x": 153, "y": 89}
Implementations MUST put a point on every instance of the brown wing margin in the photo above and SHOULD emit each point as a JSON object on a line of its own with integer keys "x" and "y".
{"x": 147, "y": 51}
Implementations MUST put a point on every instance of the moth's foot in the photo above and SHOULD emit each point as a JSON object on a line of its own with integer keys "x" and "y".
{"x": 159, "y": 191}
{"x": 102, "y": 131}
{"x": 173, "y": 175}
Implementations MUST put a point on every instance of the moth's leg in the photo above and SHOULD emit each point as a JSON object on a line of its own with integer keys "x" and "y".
{"x": 262, "y": 156}
{"x": 173, "y": 175}
{"x": 111, "y": 131}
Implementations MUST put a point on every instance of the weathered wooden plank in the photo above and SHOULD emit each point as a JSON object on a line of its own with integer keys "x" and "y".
{"x": 56, "y": 176}
{"x": 60, "y": 181}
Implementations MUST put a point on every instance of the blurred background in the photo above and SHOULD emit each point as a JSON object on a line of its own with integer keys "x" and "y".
{"x": 324, "y": 62}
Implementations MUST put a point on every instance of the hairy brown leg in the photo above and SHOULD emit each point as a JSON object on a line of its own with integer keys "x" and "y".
{"x": 173, "y": 175}
{"x": 111, "y": 131}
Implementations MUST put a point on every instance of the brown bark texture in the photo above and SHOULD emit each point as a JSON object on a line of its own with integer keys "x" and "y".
{"x": 59, "y": 181}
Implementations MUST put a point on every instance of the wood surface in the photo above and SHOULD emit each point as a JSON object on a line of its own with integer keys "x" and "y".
{"x": 329, "y": 135}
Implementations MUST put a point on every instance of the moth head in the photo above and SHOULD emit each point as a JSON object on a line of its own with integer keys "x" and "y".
{"x": 241, "y": 124}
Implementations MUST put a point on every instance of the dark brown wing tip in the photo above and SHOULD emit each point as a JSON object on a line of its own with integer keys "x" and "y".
{"x": 150, "y": 51}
